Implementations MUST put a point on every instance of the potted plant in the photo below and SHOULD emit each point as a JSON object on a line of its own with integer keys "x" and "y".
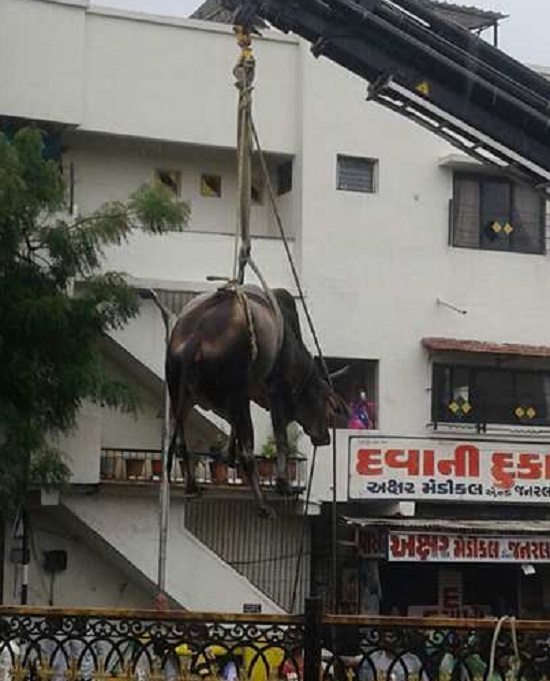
{"x": 268, "y": 455}
{"x": 294, "y": 435}
{"x": 266, "y": 460}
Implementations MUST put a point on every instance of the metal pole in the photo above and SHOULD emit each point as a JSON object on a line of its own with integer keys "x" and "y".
{"x": 164, "y": 493}
{"x": 312, "y": 638}
{"x": 164, "y": 498}
{"x": 334, "y": 525}
{"x": 25, "y": 557}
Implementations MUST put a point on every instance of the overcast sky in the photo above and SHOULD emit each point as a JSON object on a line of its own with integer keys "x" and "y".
{"x": 524, "y": 35}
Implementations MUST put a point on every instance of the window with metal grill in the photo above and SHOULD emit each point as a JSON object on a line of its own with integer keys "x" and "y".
{"x": 496, "y": 214}
{"x": 481, "y": 395}
{"x": 354, "y": 174}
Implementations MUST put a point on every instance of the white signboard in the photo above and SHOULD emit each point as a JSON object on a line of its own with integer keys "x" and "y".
{"x": 448, "y": 470}
{"x": 445, "y": 548}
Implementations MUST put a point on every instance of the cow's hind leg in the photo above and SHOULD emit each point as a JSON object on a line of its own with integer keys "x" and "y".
{"x": 178, "y": 448}
{"x": 280, "y": 423}
{"x": 244, "y": 433}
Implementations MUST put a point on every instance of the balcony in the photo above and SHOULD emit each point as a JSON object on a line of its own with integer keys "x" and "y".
{"x": 144, "y": 466}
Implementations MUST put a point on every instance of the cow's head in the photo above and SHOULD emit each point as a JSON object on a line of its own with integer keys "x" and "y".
{"x": 315, "y": 408}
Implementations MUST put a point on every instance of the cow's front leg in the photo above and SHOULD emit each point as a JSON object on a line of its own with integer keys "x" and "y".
{"x": 280, "y": 424}
{"x": 191, "y": 486}
{"x": 232, "y": 449}
{"x": 244, "y": 434}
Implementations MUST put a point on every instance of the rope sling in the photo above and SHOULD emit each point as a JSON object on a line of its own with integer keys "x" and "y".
{"x": 247, "y": 142}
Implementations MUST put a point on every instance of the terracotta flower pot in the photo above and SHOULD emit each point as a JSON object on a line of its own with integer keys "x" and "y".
{"x": 219, "y": 471}
{"x": 156, "y": 468}
{"x": 292, "y": 469}
{"x": 266, "y": 468}
{"x": 134, "y": 468}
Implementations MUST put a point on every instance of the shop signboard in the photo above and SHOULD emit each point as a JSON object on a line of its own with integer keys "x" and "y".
{"x": 447, "y": 548}
{"x": 370, "y": 543}
{"x": 448, "y": 470}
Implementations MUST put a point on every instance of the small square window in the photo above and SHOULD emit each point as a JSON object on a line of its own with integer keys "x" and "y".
{"x": 284, "y": 178}
{"x": 354, "y": 174}
{"x": 211, "y": 186}
{"x": 170, "y": 179}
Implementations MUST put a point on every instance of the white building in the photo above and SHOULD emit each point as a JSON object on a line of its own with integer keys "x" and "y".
{"x": 416, "y": 263}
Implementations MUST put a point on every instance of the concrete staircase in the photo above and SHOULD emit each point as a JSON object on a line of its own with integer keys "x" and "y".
{"x": 127, "y": 525}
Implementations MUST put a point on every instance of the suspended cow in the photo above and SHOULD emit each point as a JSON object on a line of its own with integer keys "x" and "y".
{"x": 240, "y": 344}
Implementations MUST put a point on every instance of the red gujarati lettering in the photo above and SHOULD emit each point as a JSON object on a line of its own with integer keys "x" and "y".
{"x": 369, "y": 462}
{"x": 465, "y": 463}
{"x": 402, "y": 546}
{"x": 502, "y": 471}
{"x": 399, "y": 458}
{"x": 514, "y": 547}
{"x": 529, "y": 467}
{"x": 428, "y": 468}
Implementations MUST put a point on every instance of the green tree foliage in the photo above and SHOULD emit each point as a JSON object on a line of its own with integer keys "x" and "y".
{"x": 56, "y": 303}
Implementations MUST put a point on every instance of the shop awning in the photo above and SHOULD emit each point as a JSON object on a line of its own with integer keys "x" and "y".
{"x": 495, "y": 527}
{"x": 484, "y": 347}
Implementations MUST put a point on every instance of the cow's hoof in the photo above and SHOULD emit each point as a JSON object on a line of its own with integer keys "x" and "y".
{"x": 267, "y": 512}
{"x": 192, "y": 488}
{"x": 283, "y": 487}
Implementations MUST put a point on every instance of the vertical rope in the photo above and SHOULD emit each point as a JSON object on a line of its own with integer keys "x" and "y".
{"x": 244, "y": 73}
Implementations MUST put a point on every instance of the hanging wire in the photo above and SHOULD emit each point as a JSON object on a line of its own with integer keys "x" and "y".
{"x": 284, "y": 238}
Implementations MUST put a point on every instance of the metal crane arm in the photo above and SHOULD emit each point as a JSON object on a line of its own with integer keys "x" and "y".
{"x": 430, "y": 70}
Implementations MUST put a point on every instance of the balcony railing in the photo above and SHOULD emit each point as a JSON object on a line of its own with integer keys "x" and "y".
{"x": 145, "y": 466}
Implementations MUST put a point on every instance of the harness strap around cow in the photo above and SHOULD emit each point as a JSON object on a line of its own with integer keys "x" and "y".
{"x": 307, "y": 378}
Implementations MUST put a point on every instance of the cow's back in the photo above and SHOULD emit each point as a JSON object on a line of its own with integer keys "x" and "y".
{"x": 223, "y": 341}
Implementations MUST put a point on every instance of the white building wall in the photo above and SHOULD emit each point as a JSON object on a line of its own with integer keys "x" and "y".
{"x": 195, "y": 576}
{"x": 82, "y": 445}
{"x": 109, "y": 170}
{"x": 90, "y": 580}
{"x": 374, "y": 290}
{"x": 138, "y": 75}
{"x": 163, "y": 79}
{"x": 42, "y": 57}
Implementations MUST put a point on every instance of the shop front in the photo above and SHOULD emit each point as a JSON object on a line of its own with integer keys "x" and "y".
{"x": 404, "y": 566}
{"x": 445, "y": 560}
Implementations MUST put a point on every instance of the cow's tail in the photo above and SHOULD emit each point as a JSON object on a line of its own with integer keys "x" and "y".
{"x": 180, "y": 376}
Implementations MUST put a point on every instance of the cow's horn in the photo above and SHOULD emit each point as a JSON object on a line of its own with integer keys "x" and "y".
{"x": 341, "y": 372}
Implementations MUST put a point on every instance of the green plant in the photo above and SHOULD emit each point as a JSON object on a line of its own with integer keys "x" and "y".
{"x": 294, "y": 435}
{"x": 57, "y": 302}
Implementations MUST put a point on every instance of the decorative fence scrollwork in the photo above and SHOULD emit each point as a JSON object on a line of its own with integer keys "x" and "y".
{"x": 406, "y": 649}
{"x": 52, "y": 645}
{"x": 99, "y": 645}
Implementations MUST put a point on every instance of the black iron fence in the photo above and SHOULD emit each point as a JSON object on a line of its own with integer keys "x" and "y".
{"x": 99, "y": 645}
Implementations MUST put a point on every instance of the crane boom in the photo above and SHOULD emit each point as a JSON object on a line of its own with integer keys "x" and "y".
{"x": 430, "y": 70}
